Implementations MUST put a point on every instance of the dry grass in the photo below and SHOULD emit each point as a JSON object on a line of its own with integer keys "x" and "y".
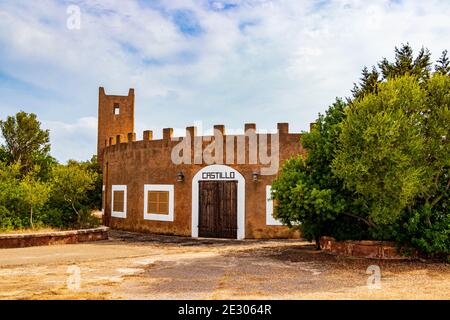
{"x": 30, "y": 230}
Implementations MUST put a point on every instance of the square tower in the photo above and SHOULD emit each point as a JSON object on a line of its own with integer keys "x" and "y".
{"x": 115, "y": 116}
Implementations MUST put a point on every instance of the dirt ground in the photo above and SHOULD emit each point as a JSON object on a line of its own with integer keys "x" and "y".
{"x": 136, "y": 266}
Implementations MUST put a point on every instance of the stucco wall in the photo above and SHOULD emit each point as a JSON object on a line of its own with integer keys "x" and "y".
{"x": 109, "y": 124}
{"x": 136, "y": 163}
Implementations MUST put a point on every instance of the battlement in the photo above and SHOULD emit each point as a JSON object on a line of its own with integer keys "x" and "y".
{"x": 167, "y": 134}
{"x": 115, "y": 117}
{"x": 116, "y": 134}
{"x": 250, "y": 147}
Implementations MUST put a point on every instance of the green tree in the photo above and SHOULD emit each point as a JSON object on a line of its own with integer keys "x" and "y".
{"x": 394, "y": 149}
{"x": 378, "y": 166}
{"x": 443, "y": 64}
{"x": 35, "y": 193}
{"x": 24, "y": 139}
{"x": 436, "y": 123}
{"x": 71, "y": 183}
{"x": 368, "y": 83}
{"x": 404, "y": 64}
{"x": 381, "y": 147}
{"x": 94, "y": 196}
{"x": 427, "y": 225}
{"x": 307, "y": 193}
{"x": 3, "y": 154}
{"x": 10, "y": 196}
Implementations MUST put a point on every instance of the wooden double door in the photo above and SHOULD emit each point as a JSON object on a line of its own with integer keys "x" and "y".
{"x": 218, "y": 209}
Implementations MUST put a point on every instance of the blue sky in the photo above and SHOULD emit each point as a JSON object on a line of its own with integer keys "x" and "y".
{"x": 219, "y": 62}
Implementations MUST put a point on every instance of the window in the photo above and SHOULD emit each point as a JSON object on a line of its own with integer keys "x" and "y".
{"x": 116, "y": 109}
{"x": 119, "y": 201}
{"x": 158, "y": 202}
{"x": 270, "y": 220}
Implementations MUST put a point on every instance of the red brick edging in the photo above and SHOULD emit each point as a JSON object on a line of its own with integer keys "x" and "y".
{"x": 364, "y": 249}
{"x": 52, "y": 238}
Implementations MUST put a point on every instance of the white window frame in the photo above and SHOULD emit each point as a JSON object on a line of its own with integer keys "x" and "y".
{"x": 159, "y": 187}
{"x": 103, "y": 194}
{"x": 119, "y": 214}
{"x": 270, "y": 220}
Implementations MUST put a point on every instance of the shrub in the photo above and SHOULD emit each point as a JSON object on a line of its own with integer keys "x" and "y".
{"x": 307, "y": 193}
{"x": 9, "y": 221}
{"x": 378, "y": 167}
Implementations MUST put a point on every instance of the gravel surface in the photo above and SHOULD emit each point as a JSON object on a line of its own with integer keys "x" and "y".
{"x": 143, "y": 266}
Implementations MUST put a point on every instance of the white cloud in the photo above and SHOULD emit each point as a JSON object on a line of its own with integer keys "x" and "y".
{"x": 75, "y": 140}
{"x": 253, "y": 61}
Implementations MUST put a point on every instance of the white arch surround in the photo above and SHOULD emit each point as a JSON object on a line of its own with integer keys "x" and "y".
{"x": 225, "y": 173}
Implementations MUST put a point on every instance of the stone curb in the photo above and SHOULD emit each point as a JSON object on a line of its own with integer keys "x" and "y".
{"x": 50, "y": 238}
{"x": 369, "y": 249}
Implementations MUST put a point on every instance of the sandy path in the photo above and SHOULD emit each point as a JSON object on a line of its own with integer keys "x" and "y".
{"x": 134, "y": 266}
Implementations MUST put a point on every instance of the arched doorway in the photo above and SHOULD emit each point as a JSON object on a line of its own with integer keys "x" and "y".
{"x": 218, "y": 203}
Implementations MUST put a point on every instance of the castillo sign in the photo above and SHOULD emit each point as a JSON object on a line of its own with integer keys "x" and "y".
{"x": 218, "y": 175}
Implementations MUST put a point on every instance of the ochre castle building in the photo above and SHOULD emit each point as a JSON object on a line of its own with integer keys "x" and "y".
{"x": 227, "y": 195}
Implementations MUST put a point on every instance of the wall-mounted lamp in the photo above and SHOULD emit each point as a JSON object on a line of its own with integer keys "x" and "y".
{"x": 255, "y": 176}
{"x": 180, "y": 176}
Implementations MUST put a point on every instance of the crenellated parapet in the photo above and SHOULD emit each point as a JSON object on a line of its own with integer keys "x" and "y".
{"x": 218, "y": 131}
{"x": 251, "y": 147}
{"x": 115, "y": 118}
{"x": 116, "y": 135}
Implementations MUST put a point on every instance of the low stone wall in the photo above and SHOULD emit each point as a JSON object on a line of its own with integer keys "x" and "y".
{"x": 52, "y": 238}
{"x": 364, "y": 249}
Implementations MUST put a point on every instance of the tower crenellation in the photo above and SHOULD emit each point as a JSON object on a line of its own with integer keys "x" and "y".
{"x": 115, "y": 117}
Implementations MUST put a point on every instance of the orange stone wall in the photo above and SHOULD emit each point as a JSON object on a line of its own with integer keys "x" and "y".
{"x": 366, "y": 249}
{"x": 137, "y": 163}
{"x": 109, "y": 124}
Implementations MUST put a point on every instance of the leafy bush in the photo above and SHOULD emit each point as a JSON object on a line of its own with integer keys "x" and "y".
{"x": 427, "y": 227}
{"x": 37, "y": 191}
{"x": 57, "y": 217}
{"x": 72, "y": 185}
{"x": 65, "y": 200}
{"x": 9, "y": 221}
{"x": 378, "y": 167}
{"x": 87, "y": 219}
{"x": 307, "y": 193}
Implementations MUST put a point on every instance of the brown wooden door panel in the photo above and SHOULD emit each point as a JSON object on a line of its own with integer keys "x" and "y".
{"x": 207, "y": 202}
{"x": 218, "y": 209}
